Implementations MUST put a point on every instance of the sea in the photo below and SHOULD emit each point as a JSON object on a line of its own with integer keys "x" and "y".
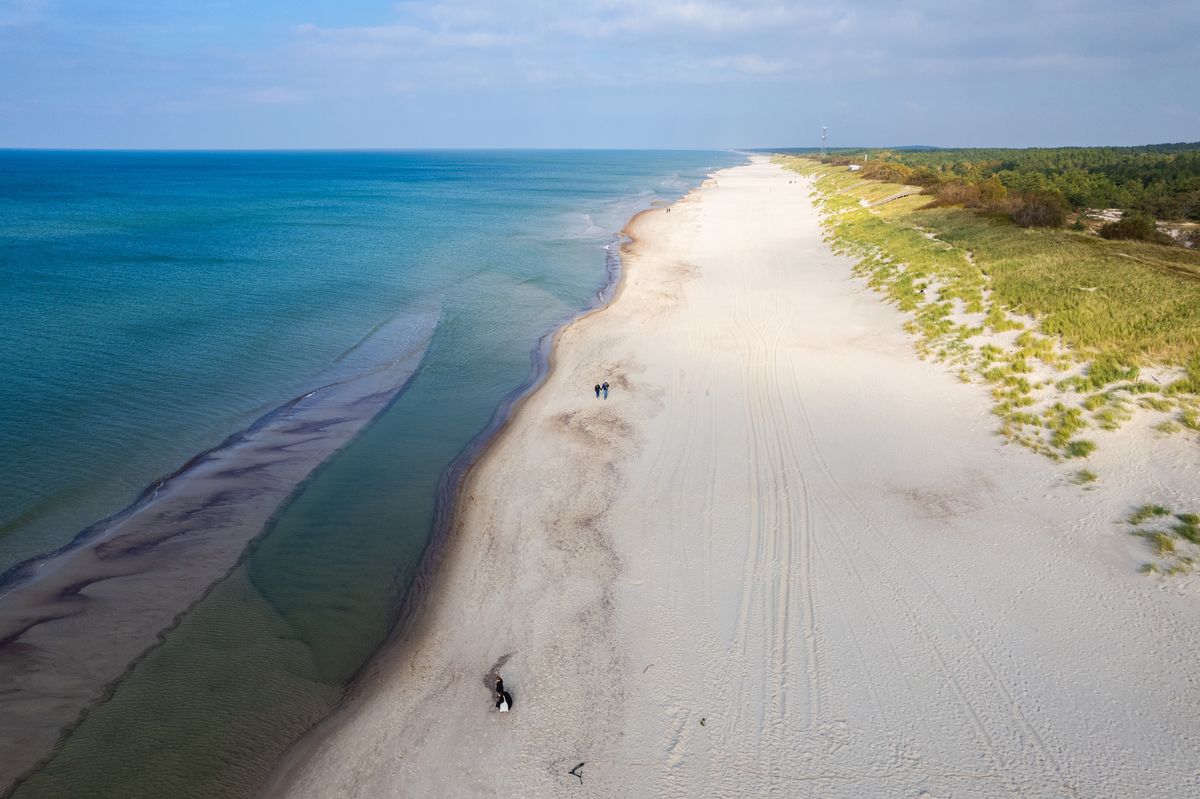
{"x": 152, "y": 304}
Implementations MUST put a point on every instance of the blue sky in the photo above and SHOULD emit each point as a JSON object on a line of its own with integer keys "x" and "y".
{"x": 605, "y": 73}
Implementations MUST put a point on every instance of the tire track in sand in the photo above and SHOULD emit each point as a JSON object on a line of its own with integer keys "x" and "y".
{"x": 1030, "y": 732}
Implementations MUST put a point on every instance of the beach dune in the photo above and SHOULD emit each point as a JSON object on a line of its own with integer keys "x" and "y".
{"x": 785, "y": 557}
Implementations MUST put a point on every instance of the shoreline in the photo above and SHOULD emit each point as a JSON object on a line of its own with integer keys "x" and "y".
{"x": 28, "y": 579}
{"x": 457, "y": 478}
{"x": 763, "y": 588}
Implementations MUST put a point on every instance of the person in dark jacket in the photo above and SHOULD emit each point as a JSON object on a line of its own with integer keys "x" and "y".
{"x": 503, "y": 697}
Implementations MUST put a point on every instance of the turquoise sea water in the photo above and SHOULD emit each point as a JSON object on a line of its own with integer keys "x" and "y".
{"x": 155, "y": 303}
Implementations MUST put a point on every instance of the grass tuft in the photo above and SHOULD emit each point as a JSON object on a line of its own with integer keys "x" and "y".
{"x": 1163, "y": 544}
{"x": 1188, "y": 532}
{"x": 1146, "y": 512}
{"x": 1155, "y": 403}
{"x": 1080, "y": 448}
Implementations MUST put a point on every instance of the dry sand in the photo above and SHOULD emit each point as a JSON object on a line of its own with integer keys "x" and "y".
{"x": 784, "y": 558}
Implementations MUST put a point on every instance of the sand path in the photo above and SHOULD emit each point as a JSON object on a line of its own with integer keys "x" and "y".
{"x": 785, "y": 558}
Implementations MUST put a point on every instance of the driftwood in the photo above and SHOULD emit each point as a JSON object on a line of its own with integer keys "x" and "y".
{"x": 576, "y": 773}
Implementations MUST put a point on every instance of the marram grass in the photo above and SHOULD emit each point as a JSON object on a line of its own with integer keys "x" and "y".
{"x": 1060, "y": 324}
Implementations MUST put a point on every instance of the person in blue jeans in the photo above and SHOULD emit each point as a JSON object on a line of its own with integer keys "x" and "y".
{"x": 604, "y": 387}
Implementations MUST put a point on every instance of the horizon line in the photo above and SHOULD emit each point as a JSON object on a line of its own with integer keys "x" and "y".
{"x": 83, "y": 149}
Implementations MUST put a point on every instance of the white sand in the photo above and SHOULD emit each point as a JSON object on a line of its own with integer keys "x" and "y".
{"x": 785, "y": 558}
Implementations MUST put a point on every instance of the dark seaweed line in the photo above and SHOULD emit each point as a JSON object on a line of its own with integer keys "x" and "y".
{"x": 20, "y": 572}
{"x": 449, "y": 483}
{"x": 11, "y": 576}
{"x": 454, "y": 476}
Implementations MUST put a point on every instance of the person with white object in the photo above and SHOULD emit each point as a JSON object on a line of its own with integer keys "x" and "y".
{"x": 503, "y": 697}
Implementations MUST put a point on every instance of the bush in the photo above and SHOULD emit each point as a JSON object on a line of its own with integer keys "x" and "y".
{"x": 1040, "y": 209}
{"x": 887, "y": 171}
{"x": 923, "y": 176}
{"x": 992, "y": 194}
{"x": 958, "y": 193}
{"x": 1137, "y": 227}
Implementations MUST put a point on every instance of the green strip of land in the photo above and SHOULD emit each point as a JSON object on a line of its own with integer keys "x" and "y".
{"x": 1071, "y": 331}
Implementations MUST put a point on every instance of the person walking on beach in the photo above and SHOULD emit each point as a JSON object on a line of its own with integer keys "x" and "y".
{"x": 597, "y": 391}
{"x": 503, "y": 698}
{"x": 604, "y": 386}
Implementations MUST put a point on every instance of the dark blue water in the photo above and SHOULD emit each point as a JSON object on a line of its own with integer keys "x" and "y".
{"x": 155, "y": 303}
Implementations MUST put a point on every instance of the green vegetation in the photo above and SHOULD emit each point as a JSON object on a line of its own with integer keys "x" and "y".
{"x": 1155, "y": 404}
{"x": 1134, "y": 226}
{"x": 1059, "y": 324}
{"x": 1188, "y": 527}
{"x": 1191, "y": 383}
{"x": 1147, "y": 512}
{"x": 1161, "y": 181}
{"x": 1063, "y": 423}
{"x": 1102, "y": 371}
{"x": 1079, "y": 448}
{"x": 1173, "y": 538}
{"x": 1084, "y": 476}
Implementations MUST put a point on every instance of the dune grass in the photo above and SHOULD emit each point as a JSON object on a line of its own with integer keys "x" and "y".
{"x": 1147, "y": 512}
{"x": 1174, "y": 538}
{"x": 1056, "y": 322}
{"x": 1132, "y": 302}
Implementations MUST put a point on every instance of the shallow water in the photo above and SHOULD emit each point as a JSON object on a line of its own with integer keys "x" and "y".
{"x": 156, "y": 303}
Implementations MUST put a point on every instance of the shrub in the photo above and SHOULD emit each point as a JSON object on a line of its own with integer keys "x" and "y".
{"x": 955, "y": 192}
{"x": 1040, "y": 209}
{"x": 1137, "y": 227}
{"x": 992, "y": 194}
{"x": 887, "y": 171}
{"x": 923, "y": 176}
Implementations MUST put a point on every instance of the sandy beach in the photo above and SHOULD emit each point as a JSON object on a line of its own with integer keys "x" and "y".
{"x": 785, "y": 557}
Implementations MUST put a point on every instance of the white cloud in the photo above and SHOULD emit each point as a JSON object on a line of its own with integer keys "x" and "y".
{"x": 443, "y": 45}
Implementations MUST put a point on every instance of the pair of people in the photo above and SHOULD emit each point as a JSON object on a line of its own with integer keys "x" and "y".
{"x": 503, "y": 697}
{"x": 602, "y": 387}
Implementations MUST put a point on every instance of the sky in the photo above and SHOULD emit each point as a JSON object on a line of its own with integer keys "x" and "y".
{"x": 254, "y": 74}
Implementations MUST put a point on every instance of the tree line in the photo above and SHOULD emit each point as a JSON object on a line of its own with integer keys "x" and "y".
{"x": 1040, "y": 186}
